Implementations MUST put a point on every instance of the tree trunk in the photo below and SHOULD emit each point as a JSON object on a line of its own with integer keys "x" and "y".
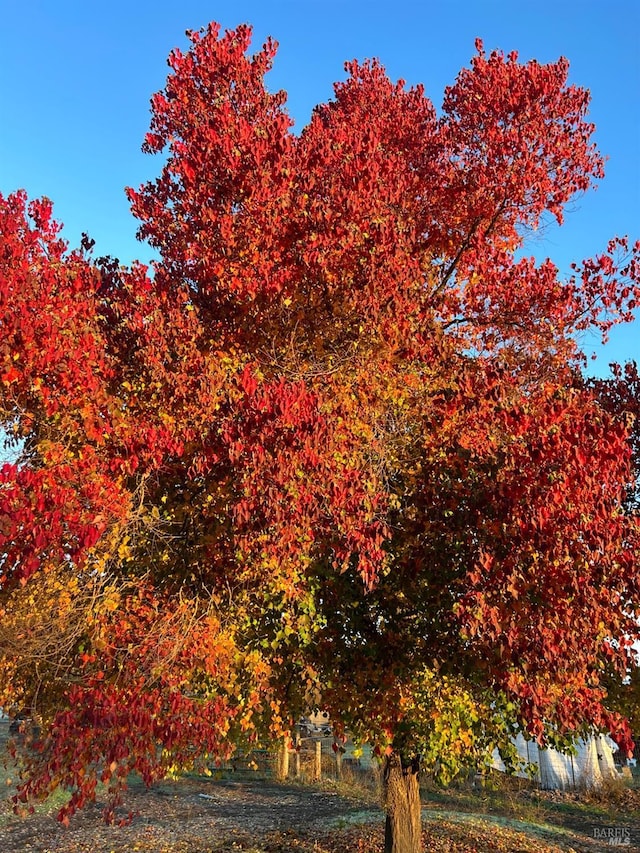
{"x": 401, "y": 797}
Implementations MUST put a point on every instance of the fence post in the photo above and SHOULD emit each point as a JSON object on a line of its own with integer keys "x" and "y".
{"x": 339, "y": 761}
{"x": 318, "y": 773}
{"x": 285, "y": 758}
{"x": 297, "y": 760}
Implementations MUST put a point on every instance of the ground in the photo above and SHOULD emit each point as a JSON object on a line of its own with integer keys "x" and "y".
{"x": 248, "y": 812}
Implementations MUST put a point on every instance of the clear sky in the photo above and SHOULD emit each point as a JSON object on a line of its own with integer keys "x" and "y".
{"x": 76, "y": 78}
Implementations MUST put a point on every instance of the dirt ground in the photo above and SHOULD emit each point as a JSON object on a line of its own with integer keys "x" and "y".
{"x": 191, "y": 815}
{"x": 247, "y": 812}
{"x": 195, "y": 815}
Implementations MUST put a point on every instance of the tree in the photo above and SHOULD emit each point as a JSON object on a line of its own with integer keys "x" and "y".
{"x": 332, "y": 452}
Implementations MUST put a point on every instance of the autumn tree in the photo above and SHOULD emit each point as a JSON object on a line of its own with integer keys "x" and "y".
{"x": 331, "y": 450}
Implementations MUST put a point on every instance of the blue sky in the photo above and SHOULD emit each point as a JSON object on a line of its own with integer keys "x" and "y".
{"x": 76, "y": 78}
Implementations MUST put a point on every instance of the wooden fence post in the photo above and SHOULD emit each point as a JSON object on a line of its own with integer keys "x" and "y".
{"x": 285, "y": 758}
{"x": 318, "y": 769}
{"x": 297, "y": 759}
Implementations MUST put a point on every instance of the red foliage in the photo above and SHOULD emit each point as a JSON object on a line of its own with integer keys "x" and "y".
{"x": 337, "y": 435}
